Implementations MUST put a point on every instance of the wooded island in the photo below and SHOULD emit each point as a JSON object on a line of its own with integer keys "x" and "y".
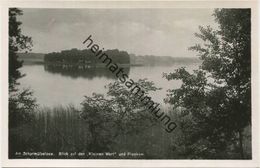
{"x": 75, "y": 57}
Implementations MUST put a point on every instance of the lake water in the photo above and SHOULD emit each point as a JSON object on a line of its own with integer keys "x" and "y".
{"x": 53, "y": 87}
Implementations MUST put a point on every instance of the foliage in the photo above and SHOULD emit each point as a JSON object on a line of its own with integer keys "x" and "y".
{"x": 216, "y": 99}
{"x": 61, "y": 129}
{"x": 17, "y": 42}
{"x": 22, "y": 107}
{"x": 117, "y": 113}
{"x": 21, "y": 103}
{"x": 85, "y": 56}
{"x": 115, "y": 122}
{"x": 52, "y": 130}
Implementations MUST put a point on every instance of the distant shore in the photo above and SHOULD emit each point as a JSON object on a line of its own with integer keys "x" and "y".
{"x": 38, "y": 58}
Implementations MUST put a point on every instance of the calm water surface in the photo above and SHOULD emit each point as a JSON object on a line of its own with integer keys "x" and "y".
{"x": 54, "y": 87}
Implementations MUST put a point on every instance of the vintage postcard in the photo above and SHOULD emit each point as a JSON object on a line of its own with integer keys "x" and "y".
{"x": 130, "y": 84}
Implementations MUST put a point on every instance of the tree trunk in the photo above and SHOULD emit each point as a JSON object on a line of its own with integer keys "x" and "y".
{"x": 241, "y": 150}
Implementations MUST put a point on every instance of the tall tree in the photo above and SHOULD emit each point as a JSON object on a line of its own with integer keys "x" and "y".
{"x": 20, "y": 102}
{"x": 115, "y": 114}
{"x": 17, "y": 42}
{"x": 216, "y": 98}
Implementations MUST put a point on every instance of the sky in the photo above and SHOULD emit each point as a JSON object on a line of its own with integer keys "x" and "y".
{"x": 160, "y": 32}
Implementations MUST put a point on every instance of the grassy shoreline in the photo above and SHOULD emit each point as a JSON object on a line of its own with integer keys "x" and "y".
{"x": 61, "y": 129}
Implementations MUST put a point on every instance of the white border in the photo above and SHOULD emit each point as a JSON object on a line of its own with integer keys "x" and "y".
{"x": 129, "y": 163}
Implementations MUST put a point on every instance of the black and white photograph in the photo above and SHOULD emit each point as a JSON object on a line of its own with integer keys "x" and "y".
{"x": 129, "y": 83}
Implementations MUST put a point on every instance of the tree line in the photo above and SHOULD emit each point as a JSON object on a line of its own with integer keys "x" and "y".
{"x": 85, "y": 56}
{"x": 215, "y": 100}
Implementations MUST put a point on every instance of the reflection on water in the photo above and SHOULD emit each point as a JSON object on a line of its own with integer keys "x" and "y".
{"x": 58, "y": 86}
{"x": 86, "y": 72}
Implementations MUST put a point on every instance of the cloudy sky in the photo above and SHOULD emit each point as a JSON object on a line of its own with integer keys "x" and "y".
{"x": 162, "y": 32}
